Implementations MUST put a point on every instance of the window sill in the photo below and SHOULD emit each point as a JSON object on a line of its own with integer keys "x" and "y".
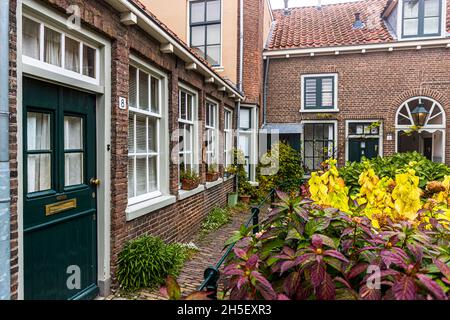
{"x": 140, "y": 209}
{"x": 318, "y": 110}
{"x": 228, "y": 178}
{"x": 212, "y": 184}
{"x": 183, "y": 194}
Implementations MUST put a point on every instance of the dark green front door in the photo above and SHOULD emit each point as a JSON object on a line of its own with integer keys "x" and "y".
{"x": 60, "y": 258}
{"x": 360, "y": 147}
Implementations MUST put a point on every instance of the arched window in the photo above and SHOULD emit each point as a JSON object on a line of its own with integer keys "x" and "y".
{"x": 427, "y": 138}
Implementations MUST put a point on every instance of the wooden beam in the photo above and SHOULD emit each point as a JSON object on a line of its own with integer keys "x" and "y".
{"x": 128, "y": 18}
{"x": 223, "y": 88}
{"x": 231, "y": 95}
{"x": 191, "y": 66}
{"x": 209, "y": 80}
{"x": 166, "y": 48}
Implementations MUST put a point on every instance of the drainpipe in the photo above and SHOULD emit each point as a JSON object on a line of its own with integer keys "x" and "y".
{"x": 4, "y": 154}
{"x": 265, "y": 88}
{"x": 241, "y": 64}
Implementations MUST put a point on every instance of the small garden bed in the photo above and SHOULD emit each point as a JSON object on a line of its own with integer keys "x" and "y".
{"x": 375, "y": 230}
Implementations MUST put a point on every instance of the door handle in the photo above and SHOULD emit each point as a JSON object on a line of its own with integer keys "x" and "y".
{"x": 94, "y": 182}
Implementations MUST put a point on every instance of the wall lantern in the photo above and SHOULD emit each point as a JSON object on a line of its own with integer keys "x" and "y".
{"x": 420, "y": 114}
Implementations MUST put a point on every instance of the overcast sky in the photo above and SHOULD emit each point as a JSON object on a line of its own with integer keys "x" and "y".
{"x": 278, "y": 4}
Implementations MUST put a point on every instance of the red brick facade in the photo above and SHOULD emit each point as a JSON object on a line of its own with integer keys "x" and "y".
{"x": 177, "y": 222}
{"x": 370, "y": 86}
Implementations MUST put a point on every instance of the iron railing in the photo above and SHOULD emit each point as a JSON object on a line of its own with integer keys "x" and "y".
{"x": 212, "y": 273}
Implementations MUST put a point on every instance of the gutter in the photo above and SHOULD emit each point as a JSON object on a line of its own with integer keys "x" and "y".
{"x": 152, "y": 27}
{"x": 5, "y": 254}
{"x": 336, "y": 50}
{"x": 265, "y": 88}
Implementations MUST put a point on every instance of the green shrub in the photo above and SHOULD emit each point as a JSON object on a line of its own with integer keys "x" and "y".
{"x": 216, "y": 219}
{"x": 147, "y": 261}
{"x": 289, "y": 175}
{"x": 425, "y": 169}
{"x": 238, "y": 169}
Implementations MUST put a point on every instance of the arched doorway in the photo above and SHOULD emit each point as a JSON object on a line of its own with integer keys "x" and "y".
{"x": 424, "y": 134}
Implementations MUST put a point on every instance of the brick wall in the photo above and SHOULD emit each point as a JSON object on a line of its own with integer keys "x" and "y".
{"x": 253, "y": 48}
{"x": 371, "y": 86}
{"x": 178, "y": 222}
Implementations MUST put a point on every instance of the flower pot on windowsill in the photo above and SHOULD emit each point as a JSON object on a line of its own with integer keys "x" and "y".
{"x": 187, "y": 184}
{"x": 212, "y": 176}
{"x": 244, "y": 198}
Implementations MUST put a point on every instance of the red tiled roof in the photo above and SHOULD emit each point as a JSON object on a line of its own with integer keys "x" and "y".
{"x": 331, "y": 25}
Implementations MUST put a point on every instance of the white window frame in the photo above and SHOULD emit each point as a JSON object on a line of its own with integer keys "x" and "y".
{"x": 252, "y": 132}
{"x": 400, "y": 23}
{"x": 335, "y": 93}
{"x": 336, "y": 145}
{"x": 430, "y": 128}
{"x": 61, "y": 70}
{"x": 228, "y": 137}
{"x": 194, "y": 123}
{"x": 212, "y": 152}
{"x": 161, "y": 144}
{"x": 350, "y": 136}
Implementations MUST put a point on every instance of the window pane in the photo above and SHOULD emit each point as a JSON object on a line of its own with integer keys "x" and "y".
{"x": 189, "y": 107}
{"x": 213, "y": 34}
{"x": 245, "y": 119}
{"x": 208, "y": 116}
{"x": 197, "y": 12}
{"x": 318, "y": 131}
{"x": 188, "y": 137}
{"x": 155, "y": 95}
{"x": 182, "y": 105}
{"x": 141, "y": 133}
{"x": 143, "y": 90}
{"x": 310, "y": 100}
{"x": 133, "y": 87}
{"x": 141, "y": 176}
{"x": 197, "y": 36}
{"x": 213, "y": 55}
{"x": 73, "y": 169}
{"x": 39, "y": 172}
{"x": 73, "y": 133}
{"x": 410, "y": 27}
{"x": 30, "y": 38}
{"x": 327, "y": 85}
{"x": 38, "y": 131}
{"x": 131, "y": 177}
{"x": 308, "y": 131}
{"x": 131, "y": 133}
{"x": 52, "y": 47}
{"x": 411, "y": 9}
{"x": 213, "y": 10}
{"x": 89, "y": 61}
{"x": 153, "y": 181}
{"x": 431, "y": 25}
{"x": 310, "y": 93}
{"x": 431, "y": 8}
{"x": 72, "y": 55}
{"x": 152, "y": 135}
{"x": 327, "y": 99}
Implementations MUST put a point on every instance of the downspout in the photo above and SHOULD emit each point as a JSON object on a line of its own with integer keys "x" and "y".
{"x": 241, "y": 72}
{"x": 4, "y": 154}
{"x": 265, "y": 88}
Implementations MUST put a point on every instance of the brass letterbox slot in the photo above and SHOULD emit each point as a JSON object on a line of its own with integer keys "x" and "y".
{"x": 58, "y": 207}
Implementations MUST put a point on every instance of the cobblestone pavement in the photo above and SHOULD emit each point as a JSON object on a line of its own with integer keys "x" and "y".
{"x": 210, "y": 251}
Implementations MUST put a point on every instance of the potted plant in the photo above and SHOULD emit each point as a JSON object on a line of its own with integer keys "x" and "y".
{"x": 212, "y": 174}
{"x": 189, "y": 179}
{"x": 245, "y": 191}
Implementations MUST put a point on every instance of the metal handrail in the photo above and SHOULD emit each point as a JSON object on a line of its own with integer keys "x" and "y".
{"x": 212, "y": 273}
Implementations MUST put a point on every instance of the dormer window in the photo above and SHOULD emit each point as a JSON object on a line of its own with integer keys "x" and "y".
{"x": 421, "y": 18}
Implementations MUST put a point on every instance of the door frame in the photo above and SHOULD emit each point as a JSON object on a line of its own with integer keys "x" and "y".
{"x": 103, "y": 134}
{"x": 379, "y": 136}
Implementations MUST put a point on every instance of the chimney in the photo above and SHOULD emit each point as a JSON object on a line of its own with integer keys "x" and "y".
{"x": 358, "y": 24}
{"x": 286, "y": 7}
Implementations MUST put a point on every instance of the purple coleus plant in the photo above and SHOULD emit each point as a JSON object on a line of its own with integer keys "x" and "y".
{"x": 305, "y": 251}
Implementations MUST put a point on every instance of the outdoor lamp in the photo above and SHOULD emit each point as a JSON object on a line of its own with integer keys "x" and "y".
{"x": 419, "y": 114}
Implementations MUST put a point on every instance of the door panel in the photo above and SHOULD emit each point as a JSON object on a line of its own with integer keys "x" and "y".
{"x": 59, "y": 202}
{"x": 359, "y": 147}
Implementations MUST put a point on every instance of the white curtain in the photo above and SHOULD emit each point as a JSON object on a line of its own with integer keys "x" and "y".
{"x": 30, "y": 38}
{"x": 38, "y": 138}
{"x": 73, "y": 140}
{"x": 52, "y": 47}
{"x": 72, "y": 55}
